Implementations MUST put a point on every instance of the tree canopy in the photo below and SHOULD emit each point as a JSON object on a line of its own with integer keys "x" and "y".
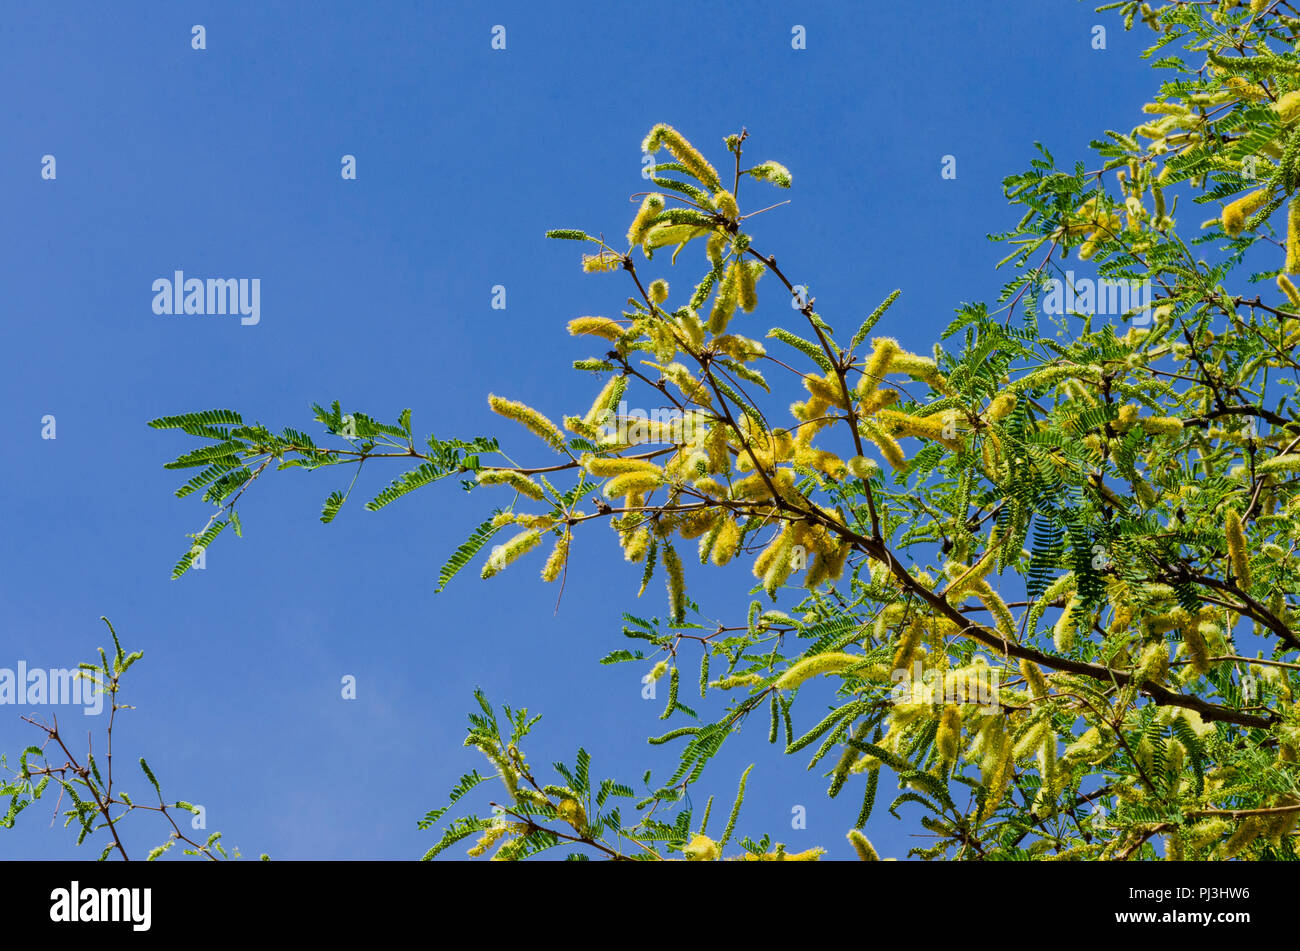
{"x": 1050, "y": 566}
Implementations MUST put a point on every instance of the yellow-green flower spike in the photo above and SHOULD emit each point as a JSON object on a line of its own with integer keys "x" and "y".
{"x": 1288, "y": 106}
{"x": 818, "y": 664}
{"x": 637, "y": 481}
{"x": 702, "y": 849}
{"x": 676, "y": 584}
{"x": 725, "y": 202}
{"x": 907, "y": 644}
{"x": 1293, "y": 236}
{"x": 659, "y": 291}
{"x": 685, "y": 153}
{"x": 1286, "y": 287}
{"x": 750, "y": 272}
{"x": 604, "y": 261}
{"x": 728, "y": 540}
{"x": 504, "y": 555}
{"x": 559, "y": 557}
{"x": 1236, "y": 213}
{"x": 651, "y": 205}
{"x": 724, "y": 304}
{"x": 529, "y": 418}
{"x": 596, "y": 327}
{"x": 948, "y": 737}
{"x": 1236, "y": 538}
{"x": 516, "y": 480}
{"x": 773, "y": 172}
{"x": 605, "y": 401}
{"x": 861, "y": 845}
{"x": 1063, "y": 632}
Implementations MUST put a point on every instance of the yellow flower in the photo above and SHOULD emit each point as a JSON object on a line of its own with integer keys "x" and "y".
{"x": 651, "y": 205}
{"x": 529, "y": 418}
{"x": 685, "y": 153}
{"x": 516, "y": 480}
{"x": 1235, "y": 214}
{"x": 861, "y": 845}
{"x": 702, "y": 849}
{"x": 809, "y": 667}
{"x": 1236, "y": 539}
{"x": 510, "y": 551}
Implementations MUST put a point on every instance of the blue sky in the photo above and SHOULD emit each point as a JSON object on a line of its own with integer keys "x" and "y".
{"x": 376, "y": 292}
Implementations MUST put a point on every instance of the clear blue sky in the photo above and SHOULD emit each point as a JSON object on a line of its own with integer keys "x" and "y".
{"x": 376, "y": 292}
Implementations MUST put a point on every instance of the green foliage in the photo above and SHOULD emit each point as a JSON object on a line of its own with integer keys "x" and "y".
{"x": 95, "y": 802}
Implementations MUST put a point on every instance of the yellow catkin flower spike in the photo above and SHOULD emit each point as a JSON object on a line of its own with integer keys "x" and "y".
{"x": 529, "y": 418}
{"x": 890, "y": 449}
{"x": 907, "y": 645}
{"x": 651, "y": 205}
{"x": 807, "y": 855}
{"x": 724, "y": 303}
{"x": 605, "y": 401}
{"x": 516, "y": 480}
{"x": 862, "y": 845}
{"x": 1000, "y": 406}
{"x": 1288, "y": 106}
{"x": 1037, "y": 683}
{"x": 602, "y": 466}
{"x": 728, "y": 540}
{"x": 773, "y": 172}
{"x": 884, "y": 350}
{"x": 1162, "y": 425}
{"x": 1248, "y": 830}
{"x": 1245, "y": 90}
{"x": 1153, "y": 665}
{"x": 874, "y": 402}
{"x": 559, "y": 557}
{"x": 725, "y": 202}
{"x": 676, "y": 584}
{"x": 1198, "y": 650}
{"x": 781, "y": 564}
{"x": 635, "y": 544}
{"x": 685, "y": 153}
{"x": 739, "y": 348}
{"x": 604, "y": 261}
{"x": 1286, "y": 287}
{"x": 488, "y": 839}
{"x": 948, "y": 737}
{"x": 1293, "y": 236}
{"x": 596, "y": 327}
{"x": 1236, "y": 213}
{"x": 1063, "y": 632}
{"x": 713, "y": 249}
{"x": 921, "y": 427}
{"x": 504, "y": 555}
{"x": 571, "y": 811}
{"x": 818, "y": 664}
{"x": 638, "y": 481}
{"x": 747, "y": 277}
{"x": 1005, "y": 622}
{"x": 702, "y": 849}
{"x": 1032, "y": 739}
{"x": 1001, "y": 767}
{"x": 1236, "y": 538}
